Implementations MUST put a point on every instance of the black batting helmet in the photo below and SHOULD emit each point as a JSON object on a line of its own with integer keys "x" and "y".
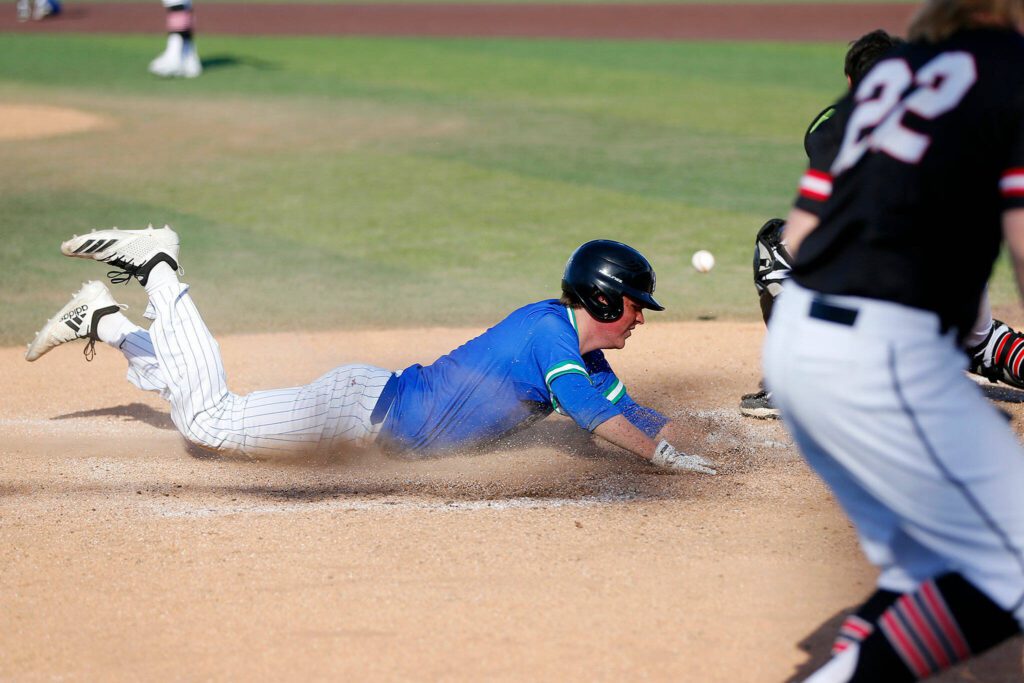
{"x": 600, "y": 272}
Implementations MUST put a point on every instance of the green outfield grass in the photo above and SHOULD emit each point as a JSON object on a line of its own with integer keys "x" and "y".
{"x": 322, "y": 183}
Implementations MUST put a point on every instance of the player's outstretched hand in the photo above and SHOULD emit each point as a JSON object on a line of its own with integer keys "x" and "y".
{"x": 665, "y": 455}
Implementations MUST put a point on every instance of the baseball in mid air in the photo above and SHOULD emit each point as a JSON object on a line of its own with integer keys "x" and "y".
{"x": 703, "y": 261}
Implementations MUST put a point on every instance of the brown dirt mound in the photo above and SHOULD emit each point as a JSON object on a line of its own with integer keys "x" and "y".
{"x": 31, "y": 121}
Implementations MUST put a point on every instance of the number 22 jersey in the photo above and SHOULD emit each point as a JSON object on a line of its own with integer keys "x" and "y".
{"x": 932, "y": 153}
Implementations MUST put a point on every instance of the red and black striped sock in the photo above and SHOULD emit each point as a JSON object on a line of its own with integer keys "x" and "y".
{"x": 1009, "y": 354}
{"x": 944, "y": 622}
{"x": 859, "y": 625}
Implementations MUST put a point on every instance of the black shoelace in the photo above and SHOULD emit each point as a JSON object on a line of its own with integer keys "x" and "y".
{"x": 123, "y": 276}
{"x": 118, "y": 277}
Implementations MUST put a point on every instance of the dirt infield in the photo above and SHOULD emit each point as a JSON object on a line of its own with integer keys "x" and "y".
{"x": 129, "y": 557}
{"x": 827, "y": 22}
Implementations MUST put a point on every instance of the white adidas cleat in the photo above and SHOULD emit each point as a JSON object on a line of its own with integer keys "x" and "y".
{"x": 77, "y": 320}
{"x": 135, "y": 252}
{"x": 178, "y": 60}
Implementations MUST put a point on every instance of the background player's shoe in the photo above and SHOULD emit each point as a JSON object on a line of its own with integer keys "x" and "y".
{"x": 76, "y": 320}
{"x": 759, "y": 405}
{"x": 190, "y": 64}
{"x": 135, "y": 252}
{"x": 45, "y": 8}
{"x": 178, "y": 60}
{"x": 24, "y": 10}
{"x": 1000, "y": 358}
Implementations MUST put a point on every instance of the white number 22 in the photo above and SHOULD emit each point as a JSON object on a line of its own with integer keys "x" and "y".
{"x": 886, "y": 95}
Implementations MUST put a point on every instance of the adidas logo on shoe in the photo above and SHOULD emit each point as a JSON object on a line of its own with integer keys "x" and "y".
{"x": 78, "y": 319}
{"x": 134, "y": 252}
{"x": 74, "y": 317}
{"x": 75, "y": 323}
{"x": 76, "y": 312}
{"x": 92, "y": 246}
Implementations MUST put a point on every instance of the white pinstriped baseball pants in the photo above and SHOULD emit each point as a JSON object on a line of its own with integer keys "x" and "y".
{"x": 179, "y": 358}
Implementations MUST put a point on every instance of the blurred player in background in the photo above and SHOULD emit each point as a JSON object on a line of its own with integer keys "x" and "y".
{"x": 180, "y": 58}
{"x": 996, "y": 351}
{"x": 865, "y": 347}
{"x": 37, "y": 10}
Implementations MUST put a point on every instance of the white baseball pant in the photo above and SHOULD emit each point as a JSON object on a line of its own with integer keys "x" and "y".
{"x": 982, "y": 325}
{"x": 925, "y": 467}
{"x": 179, "y": 358}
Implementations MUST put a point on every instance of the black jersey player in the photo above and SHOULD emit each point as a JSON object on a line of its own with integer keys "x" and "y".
{"x": 864, "y": 350}
{"x": 996, "y": 350}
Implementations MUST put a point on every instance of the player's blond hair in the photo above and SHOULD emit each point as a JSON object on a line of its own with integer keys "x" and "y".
{"x": 939, "y": 19}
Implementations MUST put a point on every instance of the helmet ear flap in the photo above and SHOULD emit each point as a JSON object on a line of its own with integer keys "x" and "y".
{"x": 610, "y": 309}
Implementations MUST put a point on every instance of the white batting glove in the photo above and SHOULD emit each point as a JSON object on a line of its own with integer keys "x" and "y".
{"x": 665, "y": 455}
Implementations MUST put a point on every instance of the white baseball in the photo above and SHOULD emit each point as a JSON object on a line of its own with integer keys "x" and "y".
{"x": 703, "y": 260}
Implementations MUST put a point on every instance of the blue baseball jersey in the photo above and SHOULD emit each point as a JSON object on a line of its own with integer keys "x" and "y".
{"x": 513, "y": 374}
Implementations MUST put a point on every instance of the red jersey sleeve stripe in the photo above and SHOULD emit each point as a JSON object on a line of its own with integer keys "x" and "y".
{"x": 1012, "y": 182}
{"x": 816, "y": 185}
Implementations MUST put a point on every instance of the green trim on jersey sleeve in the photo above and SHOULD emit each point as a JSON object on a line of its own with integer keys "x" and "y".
{"x": 572, "y": 319}
{"x": 615, "y": 392}
{"x": 557, "y": 370}
{"x": 822, "y": 118}
{"x": 564, "y": 368}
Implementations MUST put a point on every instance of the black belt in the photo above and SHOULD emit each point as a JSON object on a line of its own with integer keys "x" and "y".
{"x": 822, "y": 310}
{"x": 387, "y": 397}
